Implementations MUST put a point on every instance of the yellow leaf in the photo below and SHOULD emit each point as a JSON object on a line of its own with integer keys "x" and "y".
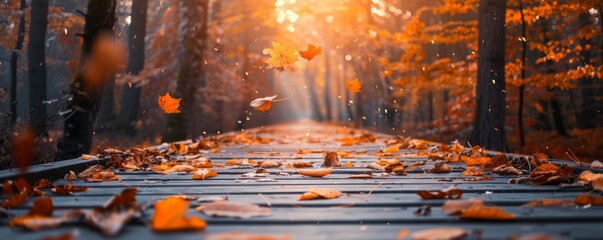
{"x": 353, "y": 86}
{"x": 281, "y": 55}
{"x": 169, "y": 104}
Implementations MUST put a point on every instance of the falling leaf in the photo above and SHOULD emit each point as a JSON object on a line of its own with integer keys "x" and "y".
{"x": 486, "y": 213}
{"x": 311, "y": 52}
{"x": 587, "y": 199}
{"x": 315, "y": 172}
{"x": 331, "y": 160}
{"x": 452, "y": 207}
{"x": 170, "y": 215}
{"x": 262, "y": 104}
{"x": 451, "y": 192}
{"x": 353, "y": 86}
{"x": 22, "y": 146}
{"x": 203, "y": 174}
{"x": 550, "y": 203}
{"x": 169, "y": 104}
{"x": 245, "y": 236}
{"x": 318, "y": 193}
{"x": 281, "y": 55}
{"x": 234, "y": 209}
{"x": 441, "y": 233}
{"x": 440, "y": 167}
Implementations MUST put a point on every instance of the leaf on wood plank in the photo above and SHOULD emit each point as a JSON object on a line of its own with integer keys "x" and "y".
{"x": 281, "y": 56}
{"x": 596, "y": 164}
{"x": 588, "y": 176}
{"x": 16, "y": 199}
{"x": 541, "y": 157}
{"x": 354, "y": 86}
{"x": 424, "y": 210}
{"x": 302, "y": 164}
{"x": 549, "y": 173}
{"x": 70, "y": 176}
{"x": 182, "y": 168}
{"x": 234, "y": 209}
{"x": 169, "y": 104}
{"x": 204, "y": 173}
{"x": 126, "y": 199}
{"x": 65, "y": 236}
{"x": 311, "y": 52}
{"x": 110, "y": 222}
{"x": 87, "y": 173}
{"x": 391, "y": 149}
{"x": 588, "y": 199}
{"x": 397, "y": 169}
{"x": 348, "y": 164}
{"x": 68, "y": 189}
{"x": 245, "y": 236}
{"x": 270, "y": 164}
{"x": 440, "y": 167}
{"x": 550, "y": 203}
{"x": 478, "y": 179}
{"x": 453, "y": 207}
{"x": 497, "y": 161}
{"x": 262, "y": 104}
{"x": 40, "y": 217}
{"x": 203, "y": 163}
{"x": 170, "y": 215}
{"x": 315, "y": 172}
{"x": 106, "y": 175}
{"x": 472, "y": 171}
{"x": 506, "y": 170}
{"x": 441, "y": 233}
{"x": 486, "y": 213}
{"x": 451, "y": 192}
{"x": 475, "y": 161}
{"x": 376, "y": 166}
{"x": 331, "y": 160}
{"x": 318, "y": 193}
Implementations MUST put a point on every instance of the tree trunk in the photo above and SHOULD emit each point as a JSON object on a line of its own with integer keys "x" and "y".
{"x": 327, "y": 95}
{"x": 587, "y": 117}
{"x": 130, "y": 100}
{"x": 191, "y": 73}
{"x": 489, "y": 122}
{"x": 106, "y": 116}
{"x": 14, "y": 61}
{"x": 36, "y": 54}
{"x": 86, "y": 95}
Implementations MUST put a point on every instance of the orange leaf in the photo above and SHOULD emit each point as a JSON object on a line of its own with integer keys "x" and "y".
{"x": 550, "y": 203}
{"x": 169, "y": 104}
{"x": 486, "y": 213}
{"x": 170, "y": 213}
{"x": 68, "y": 189}
{"x": 302, "y": 164}
{"x": 353, "y": 86}
{"x": 203, "y": 174}
{"x": 331, "y": 160}
{"x": 472, "y": 171}
{"x": 22, "y": 145}
{"x": 586, "y": 199}
{"x": 16, "y": 199}
{"x": 311, "y": 52}
{"x": 262, "y": 104}
{"x": 451, "y": 192}
{"x": 318, "y": 193}
{"x": 440, "y": 168}
{"x": 440, "y": 233}
{"x": 315, "y": 172}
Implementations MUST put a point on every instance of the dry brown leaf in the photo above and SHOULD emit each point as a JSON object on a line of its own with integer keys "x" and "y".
{"x": 506, "y": 170}
{"x": 549, "y": 173}
{"x": 451, "y": 192}
{"x": 68, "y": 189}
{"x": 204, "y": 173}
{"x": 270, "y": 164}
{"x": 453, "y": 207}
{"x": 587, "y": 199}
{"x": 331, "y": 160}
{"x": 318, "y": 193}
{"x": 596, "y": 164}
{"x": 315, "y": 172}
{"x": 42, "y": 184}
{"x": 441, "y": 233}
{"x": 40, "y": 217}
{"x": 302, "y": 164}
{"x": 472, "y": 171}
{"x": 360, "y": 176}
{"x": 89, "y": 171}
{"x": 234, "y": 209}
{"x": 478, "y": 179}
{"x": 550, "y": 203}
{"x": 170, "y": 215}
{"x": 440, "y": 168}
{"x": 486, "y": 213}
{"x": 16, "y": 199}
{"x": 182, "y": 168}
{"x": 110, "y": 222}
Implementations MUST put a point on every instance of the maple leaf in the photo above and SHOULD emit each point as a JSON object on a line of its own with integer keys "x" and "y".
{"x": 353, "y": 86}
{"x": 281, "y": 55}
{"x": 262, "y": 104}
{"x": 169, "y": 104}
{"x": 311, "y": 52}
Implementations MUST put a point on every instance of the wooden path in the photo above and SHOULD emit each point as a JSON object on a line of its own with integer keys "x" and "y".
{"x": 376, "y": 208}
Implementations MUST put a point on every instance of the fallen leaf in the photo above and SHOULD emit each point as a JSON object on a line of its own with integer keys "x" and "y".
{"x": 16, "y": 199}
{"x": 360, "y": 176}
{"x": 441, "y": 233}
{"x": 549, "y": 173}
{"x": 262, "y": 104}
{"x": 234, "y": 209}
{"x": 348, "y": 164}
{"x": 315, "y": 172}
{"x": 588, "y": 199}
{"x": 550, "y": 203}
{"x": 126, "y": 199}
{"x": 453, "y": 207}
{"x": 424, "y": 210}
{"x": 42, "y": 183}
{"x": 182, "y": 168}
{"x": 391, "y": 149}
{"x": 440, "y": 167}
{"x": 331, "y": 160}
{"x": 245, "y": 236}
{"x": 110, "y": 222}
{"x": 506, "y": 170}
{"x": 169, "y": 104}
{"x": 596, "y": 164}
{"x": 318, "y": 193}
{"x": 486, "y": 213}
{"x": 87, "y": 173}
{"x": 402, "y": 234}
{"x": 204, "y": 173}
{"x": 472, "y": 171}
{"x": 451, "y": 192}
{"x": 478, "y": 179}
{"x": 311, "y": 52}
{"x": 40, "y": 217}
{"x": 354, "y": 86}
{"x": 170, "y": 215}
{"x": 270, "y": 164}
{"x": 281, "y": 55}
{"x": 68, "y": 189}
{"x": 302, "y": 164}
